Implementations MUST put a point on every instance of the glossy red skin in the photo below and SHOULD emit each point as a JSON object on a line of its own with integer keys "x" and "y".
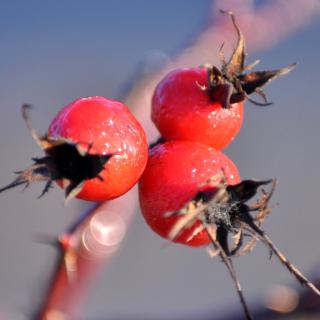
{"x": 182, "y": 111}
{"x": 172, "y": 177}
{"x": 110, "y": 126}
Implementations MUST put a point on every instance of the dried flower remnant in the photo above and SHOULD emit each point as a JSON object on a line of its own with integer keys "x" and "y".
{"x": 231, "y": 84}
{"x": 225, "y": 211}
{"x": 64, "y": 161}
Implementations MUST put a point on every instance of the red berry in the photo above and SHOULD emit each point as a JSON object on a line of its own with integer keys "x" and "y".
{"x": 95, "y": 149}
{"x": 173, "y": 176}
{"x": 111, "y": 129}
{"x": 206, "y": 104}
{"x": 182, "y": 111}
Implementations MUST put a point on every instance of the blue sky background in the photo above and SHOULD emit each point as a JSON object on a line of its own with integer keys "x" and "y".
{"x": 52, "y": 52}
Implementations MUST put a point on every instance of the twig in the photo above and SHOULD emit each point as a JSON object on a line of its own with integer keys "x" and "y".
{"x": 229, "y": 264}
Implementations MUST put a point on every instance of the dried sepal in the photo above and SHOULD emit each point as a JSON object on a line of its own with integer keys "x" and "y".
{"x": 34, "y": 173}
{"x": 235, "y": 65}
{"x": 231, "y": 84}
{"x": 237, "y": 242}
{"x": 253, "y": 81}
{"x": 246, "y": 189}
{"x": 190, "y": 214}
{"x": 246, "y": 248}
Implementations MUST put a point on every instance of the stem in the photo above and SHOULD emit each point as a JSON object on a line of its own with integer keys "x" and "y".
{"x": 229, "y": 264}
{"x": 293, "y": 269}
{"x": 82, "y": 251}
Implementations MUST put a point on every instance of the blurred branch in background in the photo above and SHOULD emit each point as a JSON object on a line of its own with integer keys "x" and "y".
{"x": 96, "y": 237}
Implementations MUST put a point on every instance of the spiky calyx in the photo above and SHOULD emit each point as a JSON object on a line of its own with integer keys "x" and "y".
{"x": 231, "y": 83}
{"x": 65, "y": 161}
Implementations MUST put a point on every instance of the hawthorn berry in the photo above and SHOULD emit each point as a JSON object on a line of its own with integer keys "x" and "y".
{"x": 173, "y": 176}
{"x": 205, "y": 104}
{"x": 182, "y": 111}
{"x": 95, "y": 149}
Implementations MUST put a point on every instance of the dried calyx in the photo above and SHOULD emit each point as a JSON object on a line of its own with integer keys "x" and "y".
{"x": 65, "y": 160}
{"x": 231, "y": 84}
{"x": 222, "y": 210}
{"x": 224, "y": 207}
